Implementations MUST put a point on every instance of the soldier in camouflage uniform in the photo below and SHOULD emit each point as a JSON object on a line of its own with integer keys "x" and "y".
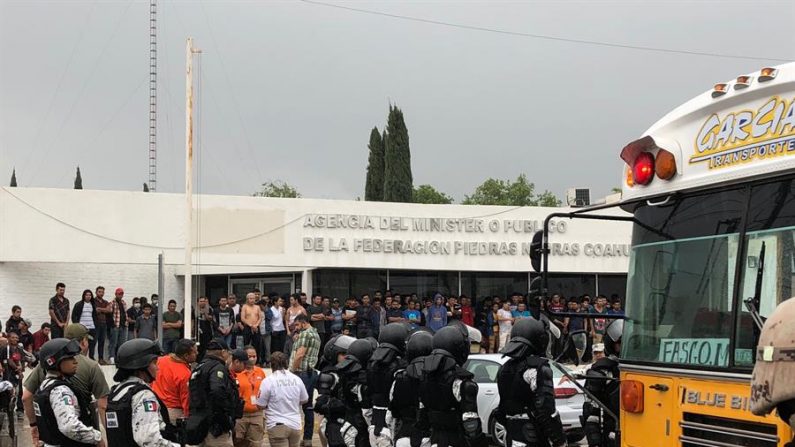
{"x": 63, "y": 420}
{"x": 135, "y": 416}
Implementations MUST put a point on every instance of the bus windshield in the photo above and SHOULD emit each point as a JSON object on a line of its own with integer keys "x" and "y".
{"x": 681, "y": 282}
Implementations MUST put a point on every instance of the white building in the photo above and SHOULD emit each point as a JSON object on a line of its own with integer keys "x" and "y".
{"x": 338, "y": 248}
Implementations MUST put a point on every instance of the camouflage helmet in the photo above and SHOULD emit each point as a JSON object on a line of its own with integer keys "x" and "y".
{"x": 773, "y": 380}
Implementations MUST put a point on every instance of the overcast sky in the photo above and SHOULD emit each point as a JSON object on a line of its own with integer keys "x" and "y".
{"x": 290, "y": 90}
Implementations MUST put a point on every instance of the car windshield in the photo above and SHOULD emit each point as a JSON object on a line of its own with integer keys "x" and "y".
{"x": 682, "y": 301}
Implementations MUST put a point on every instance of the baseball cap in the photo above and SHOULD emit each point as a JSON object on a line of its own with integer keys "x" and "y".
{"x": 599, "y": 347}
{"x": 76, "y": 331}
{"x": 218, "y": 344}
{"x": 119, "y": 290}
{"x": 239, "y": 354}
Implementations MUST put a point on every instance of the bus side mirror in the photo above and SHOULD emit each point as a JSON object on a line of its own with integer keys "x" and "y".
{"x": 537, "y": 250}
{"x": 535, "y": 287}
{"x": 580, "y": 342}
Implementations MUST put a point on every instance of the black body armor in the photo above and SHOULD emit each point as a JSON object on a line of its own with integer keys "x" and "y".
{"x": 603, "y": 381}
{"x": 527, "y": 402}
{"x": 214, "y": 400}
{"x": 118, "y": 416}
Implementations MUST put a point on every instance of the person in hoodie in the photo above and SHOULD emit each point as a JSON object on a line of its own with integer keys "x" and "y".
{"x": 437, "y": 314}
{"x": 352, "y": 372}
{"x": 448, "y": 393}
{"x": 387, "y": 359}
{"x": 405, "y": 405}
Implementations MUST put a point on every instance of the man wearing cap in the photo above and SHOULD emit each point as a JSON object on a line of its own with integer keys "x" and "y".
{"x": 88, "y": 381}
{"x": 214, "y": 399}
{"x": 118, "y": 323}
{"x": 598, "y": 351}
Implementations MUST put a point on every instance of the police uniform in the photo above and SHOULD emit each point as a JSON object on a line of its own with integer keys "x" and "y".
{"x": 527, "y": 394}
{"x": 214, "y": 400}
{"x": 404, "y": 402}
{"x": 329, "y": 403}
{"x": 384, "y": 363}
{"x": 449, "y": 394}
{"x": 136, "y": 417}
{"x": 602, "y": 380}
{"x": 353, "y": 383}
{"x": 63, "y": 420}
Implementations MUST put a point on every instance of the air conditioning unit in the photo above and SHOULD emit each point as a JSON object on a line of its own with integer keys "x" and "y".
{"x": 578, "y": 197}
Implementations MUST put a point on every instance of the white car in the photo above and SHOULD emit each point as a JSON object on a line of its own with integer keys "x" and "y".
{"x": 568, "y": 398}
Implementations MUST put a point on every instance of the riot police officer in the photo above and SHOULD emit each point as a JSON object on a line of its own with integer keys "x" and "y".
{"x": 214, "y": 399}
{"x": 135, "y": 416}
{"x": 773, "y": 380}
{"x": 329, "y": 403}
{"x": 409, "y": 430}
{"x": 352, "y": 371}
{"x": 384, "y": 363}
{"x": 602, "y": 380}
{"x": 448, "y": 394}
{"x": 63, "y": 419}
{"x": 527, "y": 393}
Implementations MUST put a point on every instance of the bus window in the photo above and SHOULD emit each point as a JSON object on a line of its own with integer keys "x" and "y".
{"x": 772, "y": 222}
{"x": 681, "y": 280}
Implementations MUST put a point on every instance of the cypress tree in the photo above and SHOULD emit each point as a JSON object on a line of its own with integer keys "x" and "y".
{"x": 398, "y": 182}
{"x": 146, "y": 187}
{"x": 78, "y": 179}
{"x": 13, "y": 178}
{"x": 374, "y": 185}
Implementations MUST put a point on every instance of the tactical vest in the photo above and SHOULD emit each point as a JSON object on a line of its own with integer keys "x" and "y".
{"x": 45, "y": 417}
{"x": 405, "y": 396}
{"x": 607, "y": 391}
{"x": 231, "y": 407}
{"x": 436, "y": 392}
{"x": 515, "y": 393}
{"x": 118, "y": 416}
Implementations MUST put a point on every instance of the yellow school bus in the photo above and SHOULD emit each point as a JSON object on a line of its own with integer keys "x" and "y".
{"x": 711, "y": 191}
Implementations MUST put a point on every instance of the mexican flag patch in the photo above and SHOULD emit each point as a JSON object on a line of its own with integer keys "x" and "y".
{"x": 150, "y": 406}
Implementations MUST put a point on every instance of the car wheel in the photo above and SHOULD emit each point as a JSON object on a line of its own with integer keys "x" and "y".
{"x": 497, "y": 432}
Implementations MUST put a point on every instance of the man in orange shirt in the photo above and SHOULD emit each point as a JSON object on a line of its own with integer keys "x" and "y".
{"x": 171, "y": 385}
{"x": 250, "y": 429}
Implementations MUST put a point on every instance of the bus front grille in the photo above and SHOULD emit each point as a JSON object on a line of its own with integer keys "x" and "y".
{"x": 699, "y": 430}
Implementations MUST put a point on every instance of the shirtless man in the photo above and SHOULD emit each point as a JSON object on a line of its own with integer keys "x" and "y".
{"x": 251, "y": 317}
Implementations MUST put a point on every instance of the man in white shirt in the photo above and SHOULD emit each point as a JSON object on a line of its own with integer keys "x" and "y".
{"x": 505, "y": 319}
{"x": 281, "y": 394}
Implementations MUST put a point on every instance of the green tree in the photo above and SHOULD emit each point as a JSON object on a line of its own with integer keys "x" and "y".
{"x": 374, "y": 185}
{"x": 398, "y": 182}
{"x": 146, "y": 187}
{"x": 78, "y": 179}
{"x": 13, "y": 178}
{"x": 277, "y": 188}
{"x": 429, "y": 194}
{"x": 510, "y": 193}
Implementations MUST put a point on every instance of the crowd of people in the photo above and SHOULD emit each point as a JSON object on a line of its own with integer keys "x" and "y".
{"x": 237, "y": 340}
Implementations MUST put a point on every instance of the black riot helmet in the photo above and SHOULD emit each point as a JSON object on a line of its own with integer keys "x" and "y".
{"x": 337, "y": 345}
{"x": 394, "y": 334}
{"x": 137, "y": 354}
{"x": 612, "y": 337}
{"x": 362, "y": 349}
{"x": 56, "y": 350}
{"x": 528, "y": 337}
{"x": 419, "y": 344}
{"x": 452, "y": 340}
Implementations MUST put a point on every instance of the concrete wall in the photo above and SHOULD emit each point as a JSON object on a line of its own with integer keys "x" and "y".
{"x": 85, "y": 238}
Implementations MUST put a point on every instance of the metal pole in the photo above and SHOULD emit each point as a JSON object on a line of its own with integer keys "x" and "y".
{"x": 161, "y": 293}
{"x": 187, "y": 320}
